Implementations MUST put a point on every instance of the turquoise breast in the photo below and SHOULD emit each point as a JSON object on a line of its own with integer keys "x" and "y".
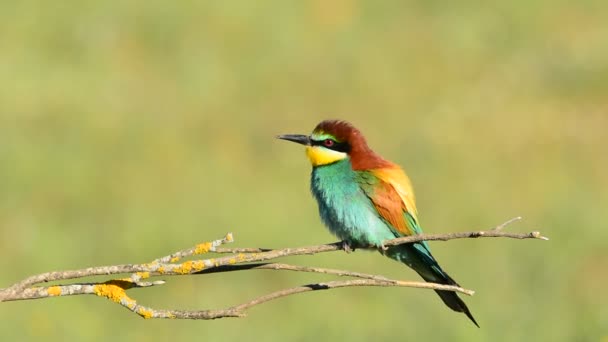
{"x": 344, "y": 208}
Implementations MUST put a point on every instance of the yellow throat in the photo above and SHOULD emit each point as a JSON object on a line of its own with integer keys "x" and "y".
{"x": 322, "y": 156}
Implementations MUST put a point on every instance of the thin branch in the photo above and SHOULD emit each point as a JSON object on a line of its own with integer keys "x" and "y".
{"x": 464, "y": 235}
{"x": 240, "y": 259}
{"x": 494, "y": 232}
{"x": 501, "y": 226}
{"x": 341, "y": 273}
{"x": 342, "y": 283}
{"x": 201, "y": 248}
{"x": 77, "y": 289}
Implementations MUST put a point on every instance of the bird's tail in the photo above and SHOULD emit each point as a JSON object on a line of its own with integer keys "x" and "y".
{"x": 419, "y": 258}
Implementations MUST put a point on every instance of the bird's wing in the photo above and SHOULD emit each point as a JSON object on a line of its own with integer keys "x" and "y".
{"x": 392, "y": 195}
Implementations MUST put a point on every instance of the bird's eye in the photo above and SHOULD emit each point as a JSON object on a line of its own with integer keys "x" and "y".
{"x": 328, "y": 142}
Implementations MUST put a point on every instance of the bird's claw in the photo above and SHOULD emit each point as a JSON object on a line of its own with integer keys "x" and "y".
{"x": 347, "y": 247}
{"x": 382, "y": 248}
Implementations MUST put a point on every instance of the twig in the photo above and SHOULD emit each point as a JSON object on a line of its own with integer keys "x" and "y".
{"x": 494, "y": 232}
{"x": 241, "y": 259}
{"x": 201, "y": 248}
{"x": 344, "y": 283}
{"x": 501, "y": 226}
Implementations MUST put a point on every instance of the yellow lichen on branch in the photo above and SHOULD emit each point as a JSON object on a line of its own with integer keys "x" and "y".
{"x": 229, "y": 237}
{"x": 189, "y": 266}
{"x": 143, "y": 275}
{"x": 54, "y": 291}
{"x": 145, "y": 313}
{"x": 114, "y": 290}
{"x": 203, "y": 248}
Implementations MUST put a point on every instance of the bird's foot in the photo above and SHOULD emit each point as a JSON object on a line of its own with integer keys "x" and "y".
{"x": 382, "y": 248}
{"x": 347, "y": 247}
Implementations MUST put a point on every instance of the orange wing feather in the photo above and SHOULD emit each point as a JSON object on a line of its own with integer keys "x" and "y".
{"x": 394, "y": 196}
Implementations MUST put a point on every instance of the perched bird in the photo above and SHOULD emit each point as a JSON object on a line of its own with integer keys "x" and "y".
{"x": 365, "y": 199}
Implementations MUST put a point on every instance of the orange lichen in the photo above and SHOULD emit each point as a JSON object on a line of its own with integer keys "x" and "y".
{"x": 189, "y": 266}
{"x": 184, "y": 268}
{"x": 241, "y": 257}
{"x": 198, "y": 265}
{"x": 203, "y": 248}
{"x": 229, "y": 237}
{"x": 143, "y": 275}
{"x": 161, "y": 270}
{"x": 232, "y": 261}
{"x": 54, "y": 291}
{"x": 145, "y": 313}
{"x": 175, "y": 259}
{"x": 111, "y": 290}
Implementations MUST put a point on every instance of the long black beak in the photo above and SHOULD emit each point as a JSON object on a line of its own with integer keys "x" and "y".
{"x": 297, "y": 138}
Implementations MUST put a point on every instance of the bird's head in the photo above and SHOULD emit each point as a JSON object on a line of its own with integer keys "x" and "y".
{"x": 335, "y": 140}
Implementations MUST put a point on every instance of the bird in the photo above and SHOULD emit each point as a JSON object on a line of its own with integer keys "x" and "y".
{"x": 364, "y": 200}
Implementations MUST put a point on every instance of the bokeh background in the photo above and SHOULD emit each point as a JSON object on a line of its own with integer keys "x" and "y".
{"x": 131, "y": 129}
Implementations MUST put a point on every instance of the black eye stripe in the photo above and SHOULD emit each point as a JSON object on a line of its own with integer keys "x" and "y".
{"x": 337, "y": 146}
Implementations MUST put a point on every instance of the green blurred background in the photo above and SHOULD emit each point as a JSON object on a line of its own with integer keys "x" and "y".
{"x": 132, "y": 129}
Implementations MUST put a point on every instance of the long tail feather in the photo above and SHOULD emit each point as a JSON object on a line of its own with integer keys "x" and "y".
{"x": 419, "y": 258}
{"x": 450, "y": 298}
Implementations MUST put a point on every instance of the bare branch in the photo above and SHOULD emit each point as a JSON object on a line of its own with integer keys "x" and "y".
{"x": 501, "y": 226}
{"x": 240, "y": 259}
{"x": 494, "y": 232}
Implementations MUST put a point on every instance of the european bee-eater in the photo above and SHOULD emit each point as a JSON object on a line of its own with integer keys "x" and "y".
{"x": 365, "y": 199}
